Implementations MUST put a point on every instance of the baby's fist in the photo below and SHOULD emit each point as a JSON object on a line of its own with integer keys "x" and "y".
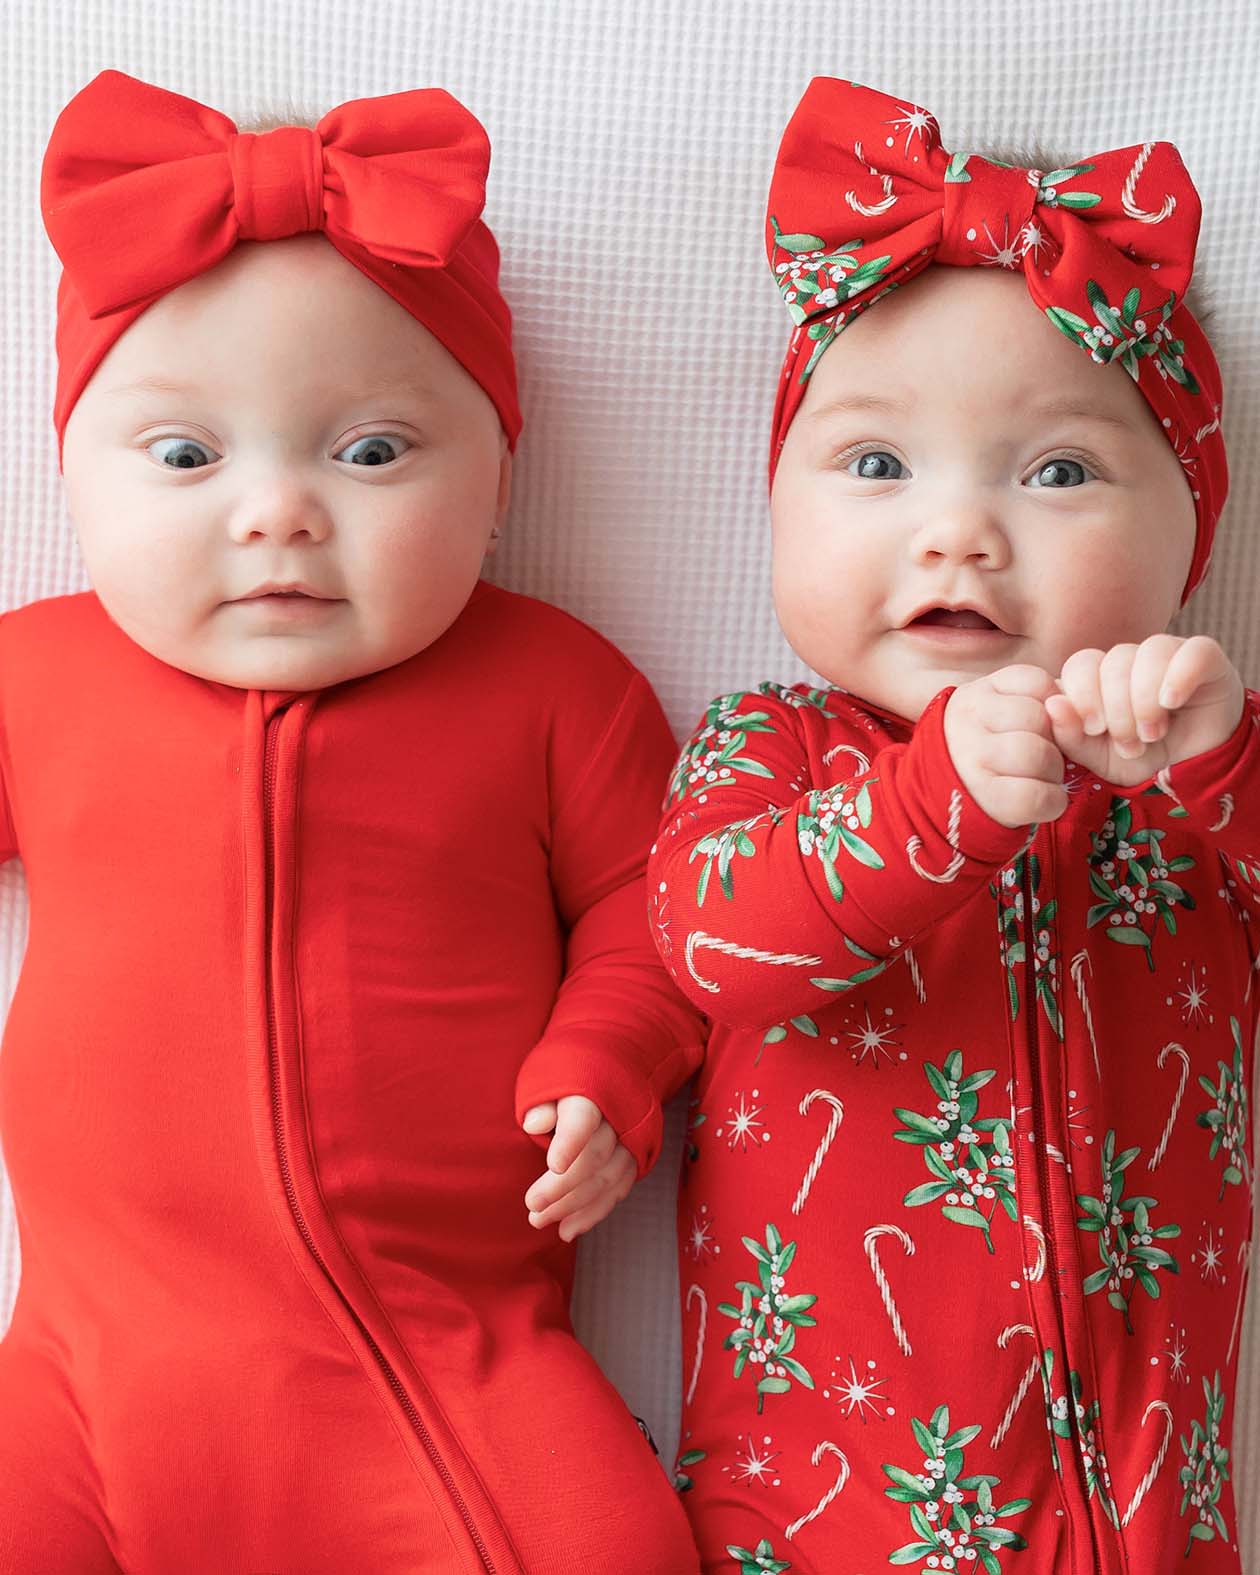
{"x": 1127, "y": 713}
{"x": 1002, "y": 746}
{"x": 588, "y": 1170}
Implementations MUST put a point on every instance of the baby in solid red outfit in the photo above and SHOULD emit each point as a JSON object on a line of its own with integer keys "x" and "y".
{"x": 966, "y": 1224}
{"x": 336, "y": 866}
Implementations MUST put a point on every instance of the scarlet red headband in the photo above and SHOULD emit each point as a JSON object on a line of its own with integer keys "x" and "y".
{"x": 144, "y": 189}
{"x": 864, "y": 197}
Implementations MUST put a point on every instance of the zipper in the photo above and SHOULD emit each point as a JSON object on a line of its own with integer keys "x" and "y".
{"x": 1050, "y": 1194}
{"x": 282, "y": 1154}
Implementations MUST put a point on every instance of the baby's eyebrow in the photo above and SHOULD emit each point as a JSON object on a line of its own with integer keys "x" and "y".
{"x": 1081, "y": 412}
{"x": 849, "y": 402}
{"x": 152, "y": 385}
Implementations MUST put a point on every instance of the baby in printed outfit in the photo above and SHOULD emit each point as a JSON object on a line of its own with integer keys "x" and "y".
{"x": 335, "y": 856}
{"x": 966, "y": 1219}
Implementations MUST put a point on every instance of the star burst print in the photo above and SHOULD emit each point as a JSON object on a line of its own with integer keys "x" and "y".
{"x": 870, "y": 1039}
{"x": 1175, "y": 1351}
{"x": 1076, "y": 1121}
{"x": 742, "y": 1125}
{"x": 1211, "y": 1252}
{"x": 859, "y": 1392}
{"x": 755, "y": 1463}
{"x": 1193, "y": 999}
{"x": 1006, "y": 255}
{"x": 700, "y": 1238}
{"x": 917, "y": 123}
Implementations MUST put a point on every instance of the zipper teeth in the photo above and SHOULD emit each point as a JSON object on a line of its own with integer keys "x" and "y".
{"x": 290, "y": 1190}
{"x": 1044, "y": 1183}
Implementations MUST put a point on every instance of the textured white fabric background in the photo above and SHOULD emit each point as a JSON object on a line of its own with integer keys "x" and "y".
{"x": 632, "y": 150}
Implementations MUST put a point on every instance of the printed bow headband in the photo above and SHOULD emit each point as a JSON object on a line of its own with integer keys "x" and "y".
{"x": 144, "y": 189}
{"x": 863, "y": 198}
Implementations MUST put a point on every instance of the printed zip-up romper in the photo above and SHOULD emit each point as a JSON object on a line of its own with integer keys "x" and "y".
{"x": 281, "y": 1310}
{"x": 965, "y": 1227}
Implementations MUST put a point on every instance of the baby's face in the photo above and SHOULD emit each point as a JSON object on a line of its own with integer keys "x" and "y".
{"x": 1006, "y": 471}
{"x": 281, "y": 420}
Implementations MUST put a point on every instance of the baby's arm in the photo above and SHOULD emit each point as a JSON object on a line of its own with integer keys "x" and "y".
{"x": 776, "y": 893}
{"x": 620, "y": 1040}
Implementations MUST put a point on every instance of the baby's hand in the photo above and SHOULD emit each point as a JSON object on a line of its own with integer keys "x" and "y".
{"x": 1000, "y": 741}
{"x": 1127, "y": 713}
{"x": 588, "y": 1170}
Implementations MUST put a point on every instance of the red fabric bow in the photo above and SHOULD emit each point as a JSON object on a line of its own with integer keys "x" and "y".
{"x": 143, "y": 189}
{"x": 863, "y": 198}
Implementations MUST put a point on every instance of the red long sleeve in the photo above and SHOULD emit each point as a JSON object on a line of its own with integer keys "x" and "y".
{"x": 619, "y": 1032}
{"x": 781, "y": 897}
{"x": 1220, "y": 793}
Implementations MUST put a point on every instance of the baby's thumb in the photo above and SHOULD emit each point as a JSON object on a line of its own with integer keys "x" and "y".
{"x": 540, "y": 1119}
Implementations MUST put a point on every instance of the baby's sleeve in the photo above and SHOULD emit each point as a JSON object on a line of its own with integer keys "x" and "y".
{"x": 1219, "y": 792}
{"x": 619, "y": 1033}
{"x": 782, "y": 889}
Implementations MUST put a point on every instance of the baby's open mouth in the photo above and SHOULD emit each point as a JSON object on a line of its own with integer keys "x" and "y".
{"x": 960, "y": 618}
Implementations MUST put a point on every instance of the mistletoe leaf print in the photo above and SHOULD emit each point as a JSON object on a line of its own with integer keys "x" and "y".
{"x": 832, "y": 819}
{"x": 757, "y": 1560}
{"x": 1023, "y": 877}
{"x": 1226, "y": 1120}
{"x": 767, "y": 1319}
{"x": 968, "y": 1157}
{"x": 1206, "y": 1470}
{"x": 718, "y": 749}
{"x": 718, "y": 851}
{"x": 878, "y": 964}
{"x": 1126, "y": 1237}
{"x": 1131, "y": 874}
{"x": 1068, "y": 1417}
{"x": 1119, "y": 334}
{"x": 954, "y": 1517}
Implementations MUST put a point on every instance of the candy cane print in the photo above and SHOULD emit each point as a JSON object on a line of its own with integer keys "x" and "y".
{"x": 871, "y": 1242}
{"x": 912, "y": 962}
{"x": 833, "y": 1126}
{"x": 1039, "y": 1236}
{"x": 698, "y": 940}
{"x": 862, "y": 763}
{"x": 1127, "y": 193}
{"x": 842, "y": 1476}
{"x": 1244, "y": 1257}
{"x": 851, "y": 197}
{"x": 1170, "y": 1049}
{"x": 697, "y": 1290}
{"x": 913, "y": 844}
{"x": 1025, "y": 1383}
{"x": 1226, "y": 801}
{"x": 1144, "y": 1486}
{"x": 1078, "y": 979}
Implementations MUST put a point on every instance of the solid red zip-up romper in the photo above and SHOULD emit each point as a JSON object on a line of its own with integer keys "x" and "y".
{"x": 281, "y": 1310}
{"x": 966, "y": 1228}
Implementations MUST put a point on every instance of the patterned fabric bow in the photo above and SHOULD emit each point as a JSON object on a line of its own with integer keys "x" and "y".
{"x": 143, "y": 189}
{"x": 863, "y": 198}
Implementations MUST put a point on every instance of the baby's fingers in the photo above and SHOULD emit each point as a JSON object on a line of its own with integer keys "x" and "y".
{"x": 593, "y": 1198}
{"x": 577, "y": 1121}
{"x": 1080, "y": 685}
{"x": 1146, "y": 682}
{"x": 550, "y": 1186}
{"x": 1197, "y": 661}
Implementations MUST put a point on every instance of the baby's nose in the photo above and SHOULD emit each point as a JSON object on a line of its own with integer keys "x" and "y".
{"x": 280, "y": 512}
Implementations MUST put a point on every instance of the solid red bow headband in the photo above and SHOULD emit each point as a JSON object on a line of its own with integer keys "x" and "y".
{"x": 144, "y": 189}
{"x": 864, "y": 197}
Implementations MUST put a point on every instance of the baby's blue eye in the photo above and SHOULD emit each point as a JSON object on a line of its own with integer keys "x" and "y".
{"x": 178, "y": 453}
{"x": 377, "y": 449}
{"x": 871, "y": 466}
{"x": 1061, "y": 473}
